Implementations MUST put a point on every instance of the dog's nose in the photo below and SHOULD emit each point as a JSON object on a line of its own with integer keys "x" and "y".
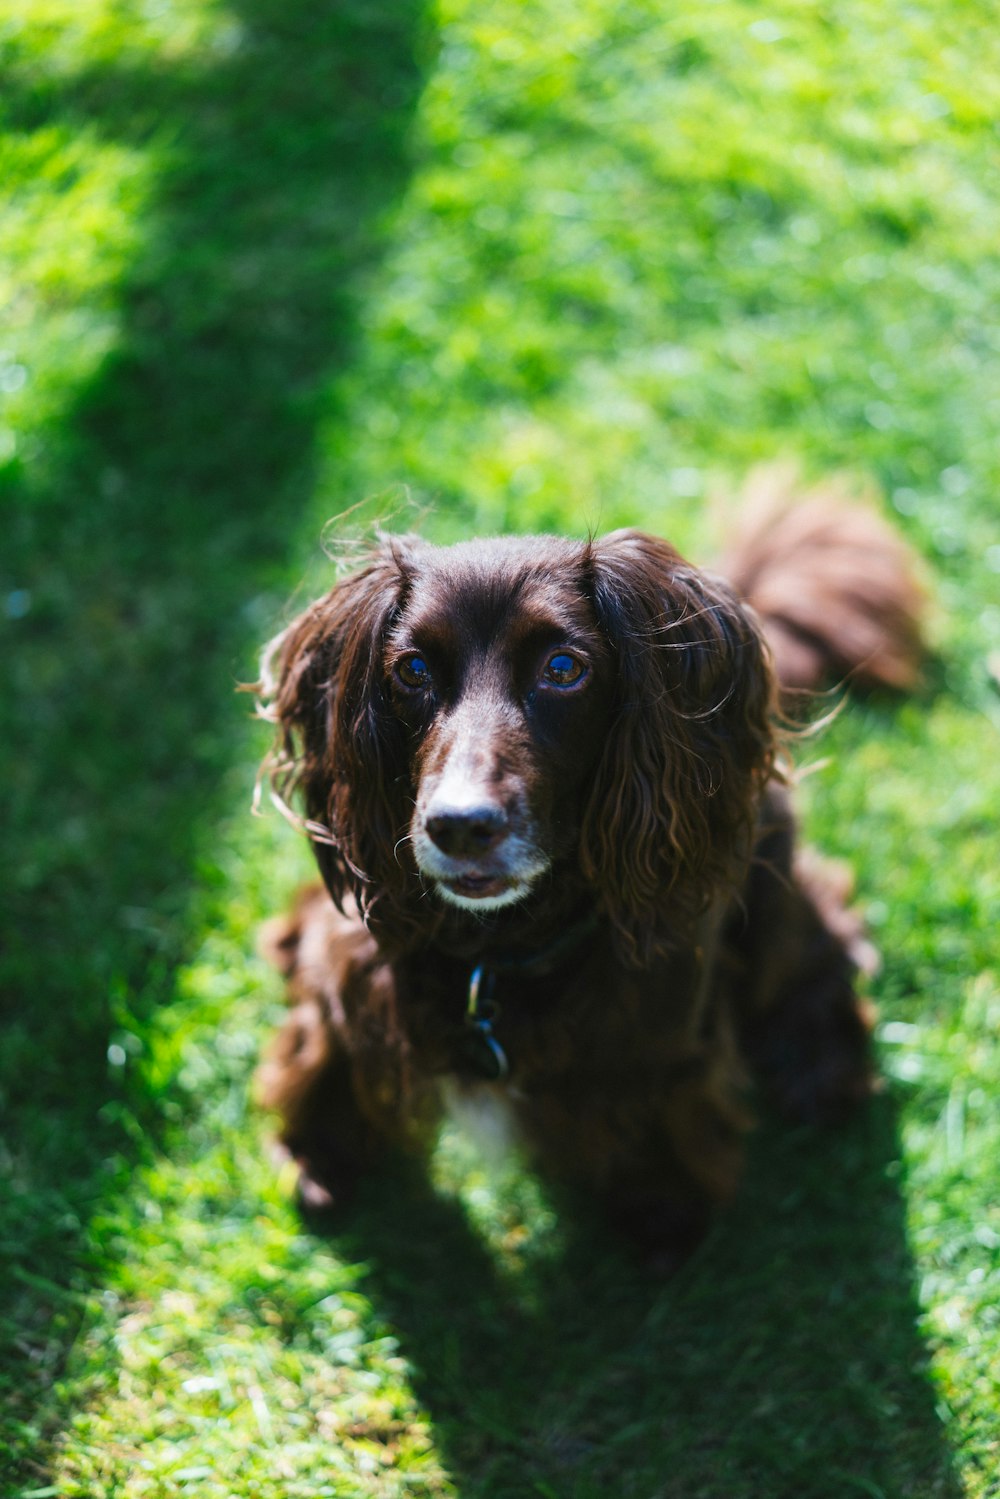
{"x": 466, "y": 832}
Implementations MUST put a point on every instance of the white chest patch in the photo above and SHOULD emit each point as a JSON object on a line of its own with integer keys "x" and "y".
{"x": 483, "y": 1112}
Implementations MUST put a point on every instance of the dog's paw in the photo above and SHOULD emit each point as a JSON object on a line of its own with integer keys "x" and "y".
{"x": 315, "y": 1199}
{"x": 320, "y": 1190}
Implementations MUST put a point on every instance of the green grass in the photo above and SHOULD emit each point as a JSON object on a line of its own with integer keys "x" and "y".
{"x": 494, "y": 265}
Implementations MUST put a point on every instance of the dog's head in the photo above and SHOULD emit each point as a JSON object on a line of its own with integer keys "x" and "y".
{"x": 473, "y": 720}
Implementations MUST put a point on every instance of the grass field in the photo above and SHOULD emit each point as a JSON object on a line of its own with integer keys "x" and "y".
{"x": 486, "y": 265}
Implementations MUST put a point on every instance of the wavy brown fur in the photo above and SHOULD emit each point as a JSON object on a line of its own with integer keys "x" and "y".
{"x": 671, "y": 814}
{"x": 339, "y": 748}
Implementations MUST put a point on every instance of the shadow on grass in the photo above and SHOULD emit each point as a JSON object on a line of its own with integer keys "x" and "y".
{"x": 169, "y": 496}
{"x": 783, "y": 1361}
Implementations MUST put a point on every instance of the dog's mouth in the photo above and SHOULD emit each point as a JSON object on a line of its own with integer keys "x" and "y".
{"x": 479, "y": 886}
{"x": 482, "y": 893}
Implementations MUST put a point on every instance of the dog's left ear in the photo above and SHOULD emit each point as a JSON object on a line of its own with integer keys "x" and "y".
{"x": 670, "y": 818}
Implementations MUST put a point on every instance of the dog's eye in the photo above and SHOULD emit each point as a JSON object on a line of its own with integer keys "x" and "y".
{"x": 564, "y": 670}
{"x": 413, "y": 671}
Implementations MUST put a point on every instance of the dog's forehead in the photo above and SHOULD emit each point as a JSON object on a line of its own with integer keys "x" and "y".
{"x": 482, "y": 588}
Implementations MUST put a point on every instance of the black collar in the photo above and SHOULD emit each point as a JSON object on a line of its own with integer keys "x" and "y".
{"x": 538, "y": 962}
{"x": 483, "y": 1052}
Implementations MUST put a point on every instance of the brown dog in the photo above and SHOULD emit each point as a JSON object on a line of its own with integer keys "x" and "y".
{"x": 540, "y": 779}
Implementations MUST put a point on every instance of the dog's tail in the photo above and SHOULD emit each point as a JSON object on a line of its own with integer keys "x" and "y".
{"x": 838, "y": 592}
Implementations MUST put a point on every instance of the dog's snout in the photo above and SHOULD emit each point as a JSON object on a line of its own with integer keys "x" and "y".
{"x": 466, "y": 832}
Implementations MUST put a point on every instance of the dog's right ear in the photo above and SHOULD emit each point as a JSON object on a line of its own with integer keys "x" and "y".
{"x": 339, "y": 747}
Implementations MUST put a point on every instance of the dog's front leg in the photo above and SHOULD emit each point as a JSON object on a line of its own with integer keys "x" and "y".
{"x": 337, "y": 1072}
